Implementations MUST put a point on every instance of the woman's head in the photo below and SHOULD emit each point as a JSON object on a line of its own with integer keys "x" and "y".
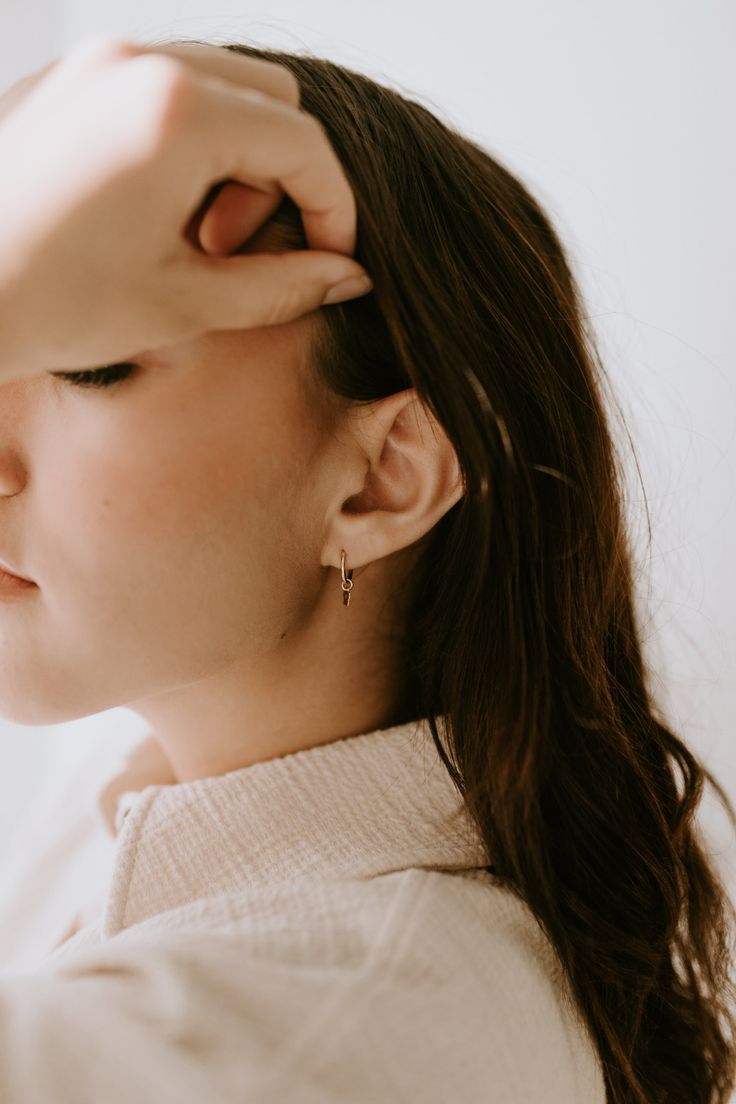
{"x": 185, "y": 525}
{"x": 504, "y": 573}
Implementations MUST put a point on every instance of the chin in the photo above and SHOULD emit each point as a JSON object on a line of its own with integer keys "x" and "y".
{"x": 31, "y": 709}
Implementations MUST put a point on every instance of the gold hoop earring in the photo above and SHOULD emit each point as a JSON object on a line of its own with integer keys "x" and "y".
{"x": 347, "y": 580}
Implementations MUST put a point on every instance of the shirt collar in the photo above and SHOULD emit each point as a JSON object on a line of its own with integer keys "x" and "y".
{"x": 355, "y": 808}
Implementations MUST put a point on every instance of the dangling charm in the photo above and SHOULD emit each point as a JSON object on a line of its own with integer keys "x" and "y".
{"x": 347, "y": 580}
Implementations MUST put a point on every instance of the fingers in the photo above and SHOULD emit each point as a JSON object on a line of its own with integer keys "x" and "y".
{"x": 217, "y": 61}
{"x": 238, "y": 210}
{"x": 234, "y": 215}
{"x": 257, "y": 289}
{"x": 328, "y": 205}
{"x": 99, "y": 48}
{"x": 86, "y": 55}
{"x": 89, "y": 47}
{"x": 247, "y": 113}
{"x": 258, "y": 140}
{"x": 18, "y": 91}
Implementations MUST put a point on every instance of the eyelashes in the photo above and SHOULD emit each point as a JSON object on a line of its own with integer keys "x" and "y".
{"x": 106, "y": 376}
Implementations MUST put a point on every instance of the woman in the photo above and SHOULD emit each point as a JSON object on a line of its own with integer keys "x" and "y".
{"x": 365, "y": 574}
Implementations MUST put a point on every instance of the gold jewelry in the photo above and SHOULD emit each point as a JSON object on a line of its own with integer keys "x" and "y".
{"x": 347, "y": 581}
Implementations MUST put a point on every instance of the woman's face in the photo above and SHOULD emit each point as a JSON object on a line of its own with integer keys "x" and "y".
{"x": 169, "y": 520}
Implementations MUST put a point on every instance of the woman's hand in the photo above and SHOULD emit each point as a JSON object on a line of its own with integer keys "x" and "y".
{"x": 110, "y": 157}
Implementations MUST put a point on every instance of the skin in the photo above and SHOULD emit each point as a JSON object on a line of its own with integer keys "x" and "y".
{"x": 184, "y": 528}
{"x": 110, "y": 153}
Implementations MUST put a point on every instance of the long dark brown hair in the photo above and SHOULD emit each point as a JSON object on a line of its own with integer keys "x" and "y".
{"x": 523, "y": 632}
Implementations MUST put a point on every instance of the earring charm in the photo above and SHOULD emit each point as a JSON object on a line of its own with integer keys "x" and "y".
{"x": 347, "y": 580}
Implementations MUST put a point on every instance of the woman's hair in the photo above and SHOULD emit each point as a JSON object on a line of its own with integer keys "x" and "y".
{"x": 523, "y": 639}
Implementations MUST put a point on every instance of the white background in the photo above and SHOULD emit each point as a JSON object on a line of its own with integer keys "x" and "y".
{"x": 620, "y": 119}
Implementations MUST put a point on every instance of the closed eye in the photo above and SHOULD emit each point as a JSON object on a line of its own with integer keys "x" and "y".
{"x": 106, "y": 376}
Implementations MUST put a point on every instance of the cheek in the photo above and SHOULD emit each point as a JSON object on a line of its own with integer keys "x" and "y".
{"x": 184, "y": 514}
{"x": 169, "y": 544}
{"x": 163, "y": 503}
{"x": 178, "y": 494}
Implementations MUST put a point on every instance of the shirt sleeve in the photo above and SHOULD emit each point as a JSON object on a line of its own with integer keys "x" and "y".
{"x": 168, "y": 1021}
{"x": 187, "y": 1018}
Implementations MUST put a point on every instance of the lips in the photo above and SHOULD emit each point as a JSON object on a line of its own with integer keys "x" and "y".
{"x": 10, "y": 571}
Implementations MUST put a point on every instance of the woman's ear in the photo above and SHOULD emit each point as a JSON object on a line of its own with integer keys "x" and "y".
{"x": 411, "y": 478}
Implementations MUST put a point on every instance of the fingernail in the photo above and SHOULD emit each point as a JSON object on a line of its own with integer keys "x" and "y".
{"x": 348, "y": 289}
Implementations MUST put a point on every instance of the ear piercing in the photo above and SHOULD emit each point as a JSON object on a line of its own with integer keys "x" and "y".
{"x": 347, "y": 580}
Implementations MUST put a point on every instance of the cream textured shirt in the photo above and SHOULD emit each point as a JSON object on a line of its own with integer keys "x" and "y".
{"x": 313, "y": 929}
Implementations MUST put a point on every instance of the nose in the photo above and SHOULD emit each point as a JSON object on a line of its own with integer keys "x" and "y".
{"x": 12, "y": 473}
{"x": 14, "y": 398}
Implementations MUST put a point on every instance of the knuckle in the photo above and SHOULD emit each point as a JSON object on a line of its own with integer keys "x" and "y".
{"x": 168, "y": 78}
{"x": 100, "y": 45}
{"x": 165, "y": 92}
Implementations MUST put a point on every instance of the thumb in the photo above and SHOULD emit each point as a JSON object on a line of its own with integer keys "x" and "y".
{"x": 266, "y": 289}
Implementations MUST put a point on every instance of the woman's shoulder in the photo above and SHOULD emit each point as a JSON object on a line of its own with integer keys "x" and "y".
{"x": 418, "y": 980}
